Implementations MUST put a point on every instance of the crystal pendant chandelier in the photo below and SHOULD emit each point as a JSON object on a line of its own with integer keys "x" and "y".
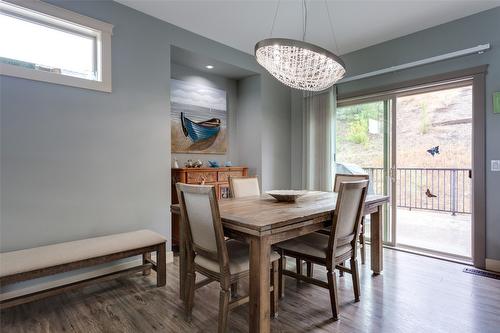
{"x": 299, "y": 64}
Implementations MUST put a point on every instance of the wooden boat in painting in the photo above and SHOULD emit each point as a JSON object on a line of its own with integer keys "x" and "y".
{"x": 199, "y": 131}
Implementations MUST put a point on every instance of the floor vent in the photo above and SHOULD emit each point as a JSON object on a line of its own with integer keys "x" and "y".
{"x": 482, "y": 273}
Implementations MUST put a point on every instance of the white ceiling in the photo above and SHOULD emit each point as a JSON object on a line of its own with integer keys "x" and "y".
{"x": 357, "y": 24}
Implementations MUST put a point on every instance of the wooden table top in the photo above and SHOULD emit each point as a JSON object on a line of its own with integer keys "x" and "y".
{"x": 263, "y": 213}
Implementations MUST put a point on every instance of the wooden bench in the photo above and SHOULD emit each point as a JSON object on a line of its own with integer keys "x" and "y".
{"x": 28, "y": 264}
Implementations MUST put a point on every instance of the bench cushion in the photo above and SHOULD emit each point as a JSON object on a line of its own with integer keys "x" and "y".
{"x": 63, "y": 253}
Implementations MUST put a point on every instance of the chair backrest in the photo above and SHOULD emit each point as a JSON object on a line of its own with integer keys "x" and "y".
{"x": 341, "y": 177}
{"x": 347, "y": 216}
{"x": 202, "y": 224}
{"x": 244, "y": 186}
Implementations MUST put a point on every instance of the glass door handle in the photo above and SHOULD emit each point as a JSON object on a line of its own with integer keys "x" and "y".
{"x": 392, "y": 174}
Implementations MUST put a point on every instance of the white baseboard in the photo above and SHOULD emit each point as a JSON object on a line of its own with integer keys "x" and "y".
{"x": 493, "y": 265}
{"x": 78, "y": 277}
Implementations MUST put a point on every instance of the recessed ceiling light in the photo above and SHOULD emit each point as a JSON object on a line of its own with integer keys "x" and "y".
{"x": 209, "y": 66}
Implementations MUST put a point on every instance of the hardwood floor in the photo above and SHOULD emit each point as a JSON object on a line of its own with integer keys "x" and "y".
{"x": 413, "y": 294}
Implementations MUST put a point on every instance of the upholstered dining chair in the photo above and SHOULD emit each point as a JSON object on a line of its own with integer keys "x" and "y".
{"x": 243, "y": 186}
{"x": 333, "y": 249}
{"x": 210, "y": 254}
{"x": 339, "y": 178}
{"x": 240, "y": 187}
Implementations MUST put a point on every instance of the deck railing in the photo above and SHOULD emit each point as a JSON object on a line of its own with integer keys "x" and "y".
{"x": 441, "y": 189}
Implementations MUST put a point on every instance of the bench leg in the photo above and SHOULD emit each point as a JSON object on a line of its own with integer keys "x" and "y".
{"x": 146, "y": 257}
{"x": 161, "y": 265}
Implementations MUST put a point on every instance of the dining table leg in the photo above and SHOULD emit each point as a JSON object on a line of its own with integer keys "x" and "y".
{"x": 376, "y": 235}
{"x": 259, "y": 303}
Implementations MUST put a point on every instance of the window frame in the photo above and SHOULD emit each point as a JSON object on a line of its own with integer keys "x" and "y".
{"x": 58, "y": 18}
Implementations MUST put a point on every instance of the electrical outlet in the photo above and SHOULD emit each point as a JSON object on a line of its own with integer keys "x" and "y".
{"x": 495, "y": 165}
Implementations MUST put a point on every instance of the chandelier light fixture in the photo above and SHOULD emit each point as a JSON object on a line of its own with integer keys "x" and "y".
{"x": 299, "y": 64}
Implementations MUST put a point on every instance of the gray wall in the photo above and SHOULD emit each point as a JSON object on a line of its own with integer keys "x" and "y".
{"x": 296, "y": 128}
{"x": 276, "y": 124}
{"x": 471, "y": 31}
{"x": 78, "y": 163}
{"x": 187, "y": 74}
{"x": 263, "y": 125}
{"x": 249, "y": 122}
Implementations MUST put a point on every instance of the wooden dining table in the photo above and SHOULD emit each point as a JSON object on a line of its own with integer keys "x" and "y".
{"x": 261, "y": 221}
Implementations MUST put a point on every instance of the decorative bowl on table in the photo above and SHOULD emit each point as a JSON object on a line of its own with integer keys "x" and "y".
{"x": 286, "y": 195}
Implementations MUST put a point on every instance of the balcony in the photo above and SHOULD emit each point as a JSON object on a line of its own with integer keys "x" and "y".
{"x": 433, "y": 208}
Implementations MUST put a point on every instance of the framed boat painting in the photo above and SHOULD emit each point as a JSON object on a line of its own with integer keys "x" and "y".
{"x": 198, "y": 118}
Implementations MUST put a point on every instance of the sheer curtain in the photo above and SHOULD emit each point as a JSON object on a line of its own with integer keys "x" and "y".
{"x": 318, "y": 140}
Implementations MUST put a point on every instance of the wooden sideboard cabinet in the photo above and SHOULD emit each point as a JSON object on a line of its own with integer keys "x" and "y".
{"x": 210, "y": 176}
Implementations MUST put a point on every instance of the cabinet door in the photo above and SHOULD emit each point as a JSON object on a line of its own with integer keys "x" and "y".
{"x": 197, "y": 177}
{"x": 223, "y": 176}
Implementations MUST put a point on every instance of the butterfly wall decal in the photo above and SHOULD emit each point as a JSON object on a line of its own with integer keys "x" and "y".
{"x": 433, "y": 151}
{"x": 429, "y": 194}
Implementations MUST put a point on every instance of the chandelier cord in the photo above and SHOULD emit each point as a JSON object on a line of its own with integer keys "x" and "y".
{"x": 335, "y": 44}
{"x": 275, "y": 15}
{"x": 304, "y": 20}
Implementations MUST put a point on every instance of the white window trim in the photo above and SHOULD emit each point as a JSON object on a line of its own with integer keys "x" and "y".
{"x": 102, "y": 30}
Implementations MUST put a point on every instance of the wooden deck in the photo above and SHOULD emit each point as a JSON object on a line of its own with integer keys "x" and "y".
{"x": 413, "y": 294}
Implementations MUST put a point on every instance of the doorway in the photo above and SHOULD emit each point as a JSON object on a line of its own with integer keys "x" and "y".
{"x": 362, "y": 145}
{"x": 432, "y": 169}
{"x": 416, "y": 145}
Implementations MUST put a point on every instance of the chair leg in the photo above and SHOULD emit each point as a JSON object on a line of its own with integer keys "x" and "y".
{"x": 234, "y": 290}
{"x": 362, "y": 242}
{"x": 309, "y": 269}
{"x": 275, "y": 293}
{"x": 189, "y": 295}
{"x": 341, "y": 273}
{"x": 145, "y": 259}
{"x": 281, "y": 282}
{"x": 298, "y": 268}
{"x": 355, "y": 278}
{"x": 332, "y": 286}
{"x": 223, "y": 310}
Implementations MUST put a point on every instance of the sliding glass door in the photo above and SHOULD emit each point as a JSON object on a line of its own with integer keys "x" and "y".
{"x": 433, "y": 158}
{"x": 416, "y": 146}
{"x": 363, "y": 146}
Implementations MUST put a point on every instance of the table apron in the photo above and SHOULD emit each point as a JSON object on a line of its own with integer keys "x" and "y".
{"x": 279, "y": 234}
{"x": 240, "y": 232}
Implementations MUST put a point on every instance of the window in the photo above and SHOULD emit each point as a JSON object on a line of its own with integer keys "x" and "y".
{"x": 51, "y": 44}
